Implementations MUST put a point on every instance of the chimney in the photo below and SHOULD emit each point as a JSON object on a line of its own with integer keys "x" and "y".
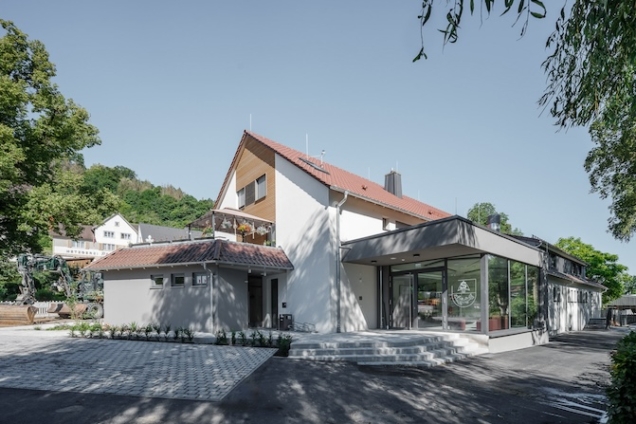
{"x": 393, "y": 183}
{"x": 494, "y": 222}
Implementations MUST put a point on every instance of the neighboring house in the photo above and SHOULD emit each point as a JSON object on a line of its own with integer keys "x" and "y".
{"x": 82, "y": 246}
{"x": 364, "y": 257}
{"x": 572, "y": 298}
{"x": 112, "y": 234}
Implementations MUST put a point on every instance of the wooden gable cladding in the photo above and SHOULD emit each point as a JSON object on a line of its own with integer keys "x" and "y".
{"x": 257, "y": 160}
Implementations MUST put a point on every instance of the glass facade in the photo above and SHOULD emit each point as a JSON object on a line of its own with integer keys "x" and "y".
{"x": 464, "y": 294}
{"x": 447, "y": 294}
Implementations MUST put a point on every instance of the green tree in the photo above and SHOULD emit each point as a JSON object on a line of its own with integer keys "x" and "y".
{"x": 603, "y": 267}
{"x": 630, "y": 284}
{"x": 590, "y": 82}
{"x": 40, "y": 133}
{"x": 480, "y": 212}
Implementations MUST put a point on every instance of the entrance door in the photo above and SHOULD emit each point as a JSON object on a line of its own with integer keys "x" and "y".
{"x": 402, "y": 297}
{"x": 255, "y": 293}
{"x": 430, "y": 299}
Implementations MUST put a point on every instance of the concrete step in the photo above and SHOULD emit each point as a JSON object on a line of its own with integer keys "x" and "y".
{"x": 423, "y": 351}
{"x": 444, "y": 347}
{"x": 371, "y": 344}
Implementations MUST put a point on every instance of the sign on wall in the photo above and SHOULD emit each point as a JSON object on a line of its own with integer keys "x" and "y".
{"x": 463, "y": 293}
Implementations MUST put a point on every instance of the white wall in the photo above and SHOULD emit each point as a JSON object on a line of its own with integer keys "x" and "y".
{"x": 229, "y": 198}
{"x": 117, "y": 225}
{"x": 304, "y": 229}
{"x": 571, "y": 313}
{"x": 129, "y": 296}
{"x": 359, "y": 304}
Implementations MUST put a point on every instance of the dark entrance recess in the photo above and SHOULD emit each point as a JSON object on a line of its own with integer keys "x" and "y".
{"x": 274, "y": 305}
{"x": 255, "y": 294}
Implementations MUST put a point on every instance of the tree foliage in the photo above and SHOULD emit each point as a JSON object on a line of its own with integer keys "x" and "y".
{"x": 40, "y": 132}
{"x": 603, "y": 267}
{"x": 590, "y": 69}
{"x": 480, "y": 212}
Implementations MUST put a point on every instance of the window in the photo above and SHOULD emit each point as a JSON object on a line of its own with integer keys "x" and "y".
{"x": 79, "y": 244}
{"x": 241, "y": 198}
{"x": 109, "y": 246}
{"x": 261, "y": 187}
{"x": 125, "y": 236}
{"x": 200, "y": 279}
{"x": 157, "y": 281}
{"x": 109, "y": 234}
{"x": 178, "y": 280}
{"x": 556, "y": 294}
{"x": 250, "y": 193}
{"x": 116, "y": 223}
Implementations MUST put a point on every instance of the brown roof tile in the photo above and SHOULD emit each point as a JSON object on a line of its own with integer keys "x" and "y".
{"x": 187, "y": 252}
{"x": 342, "y": 180}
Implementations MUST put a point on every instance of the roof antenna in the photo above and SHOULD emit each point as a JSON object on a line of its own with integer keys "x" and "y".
{"x": 250, "y": 122}
{"x": 306, "y": 146}
{"x": 322, "y": 154}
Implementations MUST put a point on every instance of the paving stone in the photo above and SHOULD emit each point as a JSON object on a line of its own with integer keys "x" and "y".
{"x": 155, "y": 369}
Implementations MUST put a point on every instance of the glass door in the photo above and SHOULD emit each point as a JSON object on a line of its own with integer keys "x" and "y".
{"x": 431, "y": 300}
{"x": 402, "y": 301}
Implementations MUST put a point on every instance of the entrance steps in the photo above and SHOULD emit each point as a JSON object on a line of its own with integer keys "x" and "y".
{"x": 423, "y": 350}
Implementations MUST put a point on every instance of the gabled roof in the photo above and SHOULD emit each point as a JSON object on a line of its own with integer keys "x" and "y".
{"x": 221, "y": 252}
{"x": 86, "y": 234}
{"x": 339, "y": 180}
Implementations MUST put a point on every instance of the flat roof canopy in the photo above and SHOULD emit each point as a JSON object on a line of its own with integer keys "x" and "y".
{"x": 442, "y": 238}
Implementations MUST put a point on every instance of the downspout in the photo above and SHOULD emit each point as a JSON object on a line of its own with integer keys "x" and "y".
{"x": 338, "y": 259}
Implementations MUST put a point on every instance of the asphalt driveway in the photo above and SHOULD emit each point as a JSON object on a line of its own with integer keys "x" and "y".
{"x": 561, "y": 382}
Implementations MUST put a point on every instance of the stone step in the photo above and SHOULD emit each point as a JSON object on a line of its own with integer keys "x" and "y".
{"x": 425, "y": 351}
{"x": 384, "y": 351}
{"x": 371, "y": 344}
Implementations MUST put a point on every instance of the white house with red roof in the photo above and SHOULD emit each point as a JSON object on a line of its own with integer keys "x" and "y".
{"x": 303, "y": 240}
{"x": 313, "y": 207}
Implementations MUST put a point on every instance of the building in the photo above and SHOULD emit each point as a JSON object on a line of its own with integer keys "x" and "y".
{"x": 364, "y": 256}
{"x": 112, "y": 234}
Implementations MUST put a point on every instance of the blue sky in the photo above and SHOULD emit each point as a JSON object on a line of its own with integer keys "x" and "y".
{"x": 171, "y": 87}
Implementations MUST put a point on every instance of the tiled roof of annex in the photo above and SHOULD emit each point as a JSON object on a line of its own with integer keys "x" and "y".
{"x": 341, "y": 180}
{"x": 195, "y": 251}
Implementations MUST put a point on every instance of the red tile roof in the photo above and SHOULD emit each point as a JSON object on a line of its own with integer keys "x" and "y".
{"x": 197, "y": 251}
{"x": 341, "y": 180}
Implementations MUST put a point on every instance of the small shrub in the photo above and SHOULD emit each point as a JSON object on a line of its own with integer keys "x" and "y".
{"x": 233, "y": 338}
{"x": 37, "y": 328}
{"x": 270, "y": 340}
{"x": 157, "y": 329}
{"x": 221, "y": 337}
{"x": 148, "y": 331}
{"x": 189, "y": 334}
{"x": 72, "y": 333}
{"x": 132, "y": 330}
{"x": 166, "y": 332}
{"x": 253, "y": 337}
{"x": 242, "y": 338}
{"x": 284, "y": 344}
{"x": 262, "y": 340}
{"x": 83, "y": 328}
{"x": 622, "y": 391}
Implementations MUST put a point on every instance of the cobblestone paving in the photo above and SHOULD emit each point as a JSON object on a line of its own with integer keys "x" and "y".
{"x": 138, "y": 368}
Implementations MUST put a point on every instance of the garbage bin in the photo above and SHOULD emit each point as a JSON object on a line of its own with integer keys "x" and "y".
{"x": 285, "y": 322}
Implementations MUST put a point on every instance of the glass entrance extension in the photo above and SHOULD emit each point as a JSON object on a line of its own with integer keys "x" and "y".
{"x": 450, "y": 295}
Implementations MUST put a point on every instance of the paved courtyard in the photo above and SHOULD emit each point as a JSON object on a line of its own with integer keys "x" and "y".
{"x": 53, "y": 361}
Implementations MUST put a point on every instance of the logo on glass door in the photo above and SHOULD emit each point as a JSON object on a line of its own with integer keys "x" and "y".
{"x": 465, "y": 293}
